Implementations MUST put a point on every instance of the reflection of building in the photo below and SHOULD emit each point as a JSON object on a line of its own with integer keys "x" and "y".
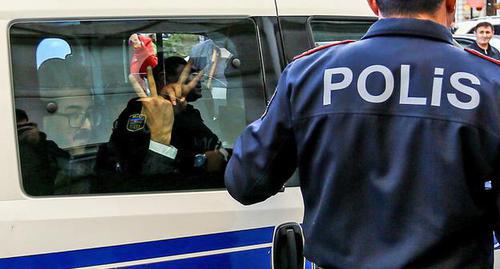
{"x": 464, "y": 9}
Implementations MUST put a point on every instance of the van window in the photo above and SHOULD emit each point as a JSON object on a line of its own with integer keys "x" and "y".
{"x": 82, "y": 129}
{"x": 330, "y": 30}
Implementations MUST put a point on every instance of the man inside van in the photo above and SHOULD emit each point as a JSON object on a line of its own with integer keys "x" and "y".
{"x": 484, "y": 32}
{"x": 393, "y": 145}
{"x": 192, "y": 157}
{"x": 42, "y": 161}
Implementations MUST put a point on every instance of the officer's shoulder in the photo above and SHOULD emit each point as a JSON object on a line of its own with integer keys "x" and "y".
{"x": 478, "y": 54}
{"x": 316, "y": 49}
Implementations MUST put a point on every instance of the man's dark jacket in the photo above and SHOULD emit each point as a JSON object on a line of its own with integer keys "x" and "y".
{"x": 490, "y": 52}
{"x": 41, "y": 160}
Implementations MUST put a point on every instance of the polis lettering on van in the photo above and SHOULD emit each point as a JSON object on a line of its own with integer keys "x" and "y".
{"x": 404, "y": 98}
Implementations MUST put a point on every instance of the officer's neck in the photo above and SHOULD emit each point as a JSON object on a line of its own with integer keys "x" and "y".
{"x": 441, "y": 16}
{"x": 421, "y": 17}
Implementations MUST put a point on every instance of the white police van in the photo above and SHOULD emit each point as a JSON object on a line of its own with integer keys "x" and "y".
{"x": 66, "y": 65}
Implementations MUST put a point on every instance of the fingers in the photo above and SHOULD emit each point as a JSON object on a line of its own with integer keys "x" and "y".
{"x": 168, "y": 103}
{"x": 137, "y": 87}
{"x": 185, "y": 73}
{"x": 173, "y": 96}
{"x": 151, "y": 82}
{"x": 169, "y": 89}
{"x": 213, "y": 67}
{"x": 178, "y": 90}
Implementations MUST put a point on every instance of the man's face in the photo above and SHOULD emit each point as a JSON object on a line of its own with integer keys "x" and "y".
{"x": 195, "y": 93}
{"x": 483, "y": 35}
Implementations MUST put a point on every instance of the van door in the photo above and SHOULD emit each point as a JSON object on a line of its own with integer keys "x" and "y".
{"x": 81, "y": 198}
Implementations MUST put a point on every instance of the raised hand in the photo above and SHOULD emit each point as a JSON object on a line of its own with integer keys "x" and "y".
{"x": 158, "y": 111}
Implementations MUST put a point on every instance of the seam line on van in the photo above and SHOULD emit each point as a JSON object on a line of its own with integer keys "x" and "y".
{"x": 178, "y": 257}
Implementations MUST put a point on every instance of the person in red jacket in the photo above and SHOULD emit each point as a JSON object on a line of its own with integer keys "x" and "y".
{"x": 143, "y": 55}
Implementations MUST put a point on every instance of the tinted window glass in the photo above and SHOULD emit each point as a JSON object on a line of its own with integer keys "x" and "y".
{"x": 81, "y": 128}
{"x": 327, "y": 31}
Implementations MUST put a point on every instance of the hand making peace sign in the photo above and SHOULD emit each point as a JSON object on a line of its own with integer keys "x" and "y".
{"x": 158, "y": 110}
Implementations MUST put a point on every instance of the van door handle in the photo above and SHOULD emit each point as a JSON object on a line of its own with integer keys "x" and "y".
{"x": 288, "y": 247}
{"x": 292, "y": 248}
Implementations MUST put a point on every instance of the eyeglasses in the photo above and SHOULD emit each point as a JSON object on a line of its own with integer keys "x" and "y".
{"x": 77, "y": 116}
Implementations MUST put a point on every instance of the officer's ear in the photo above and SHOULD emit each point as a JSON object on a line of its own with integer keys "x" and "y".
{"x": 450, "y": 11}
{"x": 374, "y": 6}
{"x": 450, "y": 5}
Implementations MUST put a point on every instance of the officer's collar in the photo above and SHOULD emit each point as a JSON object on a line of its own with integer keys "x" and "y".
{"x": 413, "y": 27}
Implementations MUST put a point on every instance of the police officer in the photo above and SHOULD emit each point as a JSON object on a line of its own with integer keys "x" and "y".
{"x": 394, "y": 137}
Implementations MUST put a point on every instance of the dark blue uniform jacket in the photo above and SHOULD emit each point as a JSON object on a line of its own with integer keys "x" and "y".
{"x": 394, "y": 137}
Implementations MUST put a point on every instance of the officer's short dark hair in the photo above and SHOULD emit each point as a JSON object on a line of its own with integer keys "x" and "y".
{"x": 484, "y": 24}
{"x": 404, "y": 7}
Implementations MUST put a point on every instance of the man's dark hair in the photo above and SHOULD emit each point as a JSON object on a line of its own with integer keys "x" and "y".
{"x": 171, "y": 64}
{"x": 168, "y": 72}
{"x": 21, "y": 115}
{"x": 484, "y": 24}
{"x": 406, "y": 7}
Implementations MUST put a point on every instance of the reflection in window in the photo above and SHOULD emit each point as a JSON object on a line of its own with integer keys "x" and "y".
{"x": 327, "y": 31}
{"x": 83, "y": 108}
{"x": 51, "y": 48}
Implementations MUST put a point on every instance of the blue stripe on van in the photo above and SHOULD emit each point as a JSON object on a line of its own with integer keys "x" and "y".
{"x": 248, "y": 259}
{"x": 139, "y": 251}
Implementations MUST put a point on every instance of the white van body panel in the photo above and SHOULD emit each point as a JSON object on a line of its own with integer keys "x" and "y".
{"x": 9, "y": 166}
{"x": 129, "y": 8}
{"x": 323, "y": 8}
{"x": 33, "y": 226}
